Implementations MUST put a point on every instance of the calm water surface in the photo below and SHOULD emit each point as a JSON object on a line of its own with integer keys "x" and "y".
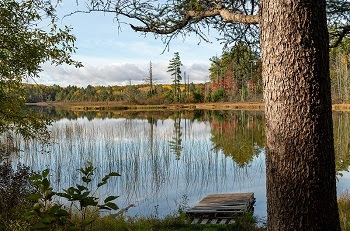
{"x": 167, "y": 159}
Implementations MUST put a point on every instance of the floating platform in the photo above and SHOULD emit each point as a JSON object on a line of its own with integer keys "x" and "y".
{"x": 221, "y": 208}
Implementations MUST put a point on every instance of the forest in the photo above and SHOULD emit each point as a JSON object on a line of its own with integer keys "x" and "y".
{"x": 234, "y": 76}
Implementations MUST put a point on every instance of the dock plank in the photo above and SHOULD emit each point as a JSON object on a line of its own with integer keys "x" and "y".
{"x": 195, "y": 221}
{"x": 204, "y": 221}
{"x": 223, "y": 221}
{"x": 215, "y": 206}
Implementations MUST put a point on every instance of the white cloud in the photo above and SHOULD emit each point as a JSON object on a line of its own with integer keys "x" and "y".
{"x": 97, "y": 72}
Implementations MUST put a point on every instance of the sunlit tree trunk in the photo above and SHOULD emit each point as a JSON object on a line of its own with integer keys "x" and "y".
{"x": 301, "y": 187}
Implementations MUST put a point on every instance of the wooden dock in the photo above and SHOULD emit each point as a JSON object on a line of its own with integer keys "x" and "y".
{"x": 221, "y": 208}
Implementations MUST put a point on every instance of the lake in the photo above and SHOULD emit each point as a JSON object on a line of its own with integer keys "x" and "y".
{"x": 167, "y": 159}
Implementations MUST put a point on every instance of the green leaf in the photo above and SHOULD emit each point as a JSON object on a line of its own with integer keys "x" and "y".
{"x": 84, "y": 171}
{"x": 34, "y": 197}
{"x": 103, "y": 207}
{"x": 86, "y": 179}
{"x": 81, "y": 188}
{"x": 88, "y": 201}
{"x": 114, "y": 174}
{"x": 29, "y": 215}
{"x": 110, "y": 198}
{"x": 88, "y": 221}
{"x": 101, "y": 183}
{"x": 35, "y": 177}
{"x": 45, "y": 173}
{"x": 112, "y": 205}
{"x": 85, "y": 194}
{"x": 46, "y": 183}
{"x": 65, "y": 195}
{"x": 70, "y": 191}
{"x": 62, "y": 213}
{"x": 40, "y": 226}
{"x": 48, "y": 220}
{"x": 76, "y": 197}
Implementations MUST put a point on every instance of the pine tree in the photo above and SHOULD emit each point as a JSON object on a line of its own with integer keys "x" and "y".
{"x": 175, "y": 69}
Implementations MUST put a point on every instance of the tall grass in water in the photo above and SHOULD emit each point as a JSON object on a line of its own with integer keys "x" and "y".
{"x": 152, "y": 175}
{"x": 344, "y": 210}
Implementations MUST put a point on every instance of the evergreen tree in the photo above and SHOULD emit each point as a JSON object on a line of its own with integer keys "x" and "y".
{"x": 175, "y": 69}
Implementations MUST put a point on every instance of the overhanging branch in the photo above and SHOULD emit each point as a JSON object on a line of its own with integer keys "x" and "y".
{"x": 340, "y": 35}
{"x": 225, "y": 14}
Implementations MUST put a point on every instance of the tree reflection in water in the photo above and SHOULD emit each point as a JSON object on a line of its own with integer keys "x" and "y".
{"x": 164, "y": 155}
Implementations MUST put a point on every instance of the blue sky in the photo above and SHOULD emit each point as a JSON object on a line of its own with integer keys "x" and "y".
{"x": 111, "y": 57}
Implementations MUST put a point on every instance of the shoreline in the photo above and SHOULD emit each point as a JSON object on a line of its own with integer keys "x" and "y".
{"x": 104, "y": 106}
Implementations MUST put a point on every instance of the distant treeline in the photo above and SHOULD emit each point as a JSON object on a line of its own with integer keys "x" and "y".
{"x": 234, "y": 76}
{"x": 130, "y": 94}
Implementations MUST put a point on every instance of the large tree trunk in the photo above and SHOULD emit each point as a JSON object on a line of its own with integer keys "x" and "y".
{"x": 301, "y": 186}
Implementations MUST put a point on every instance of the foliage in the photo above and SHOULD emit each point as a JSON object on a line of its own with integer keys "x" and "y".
{"x": 45, "y": 214}
{"x": 175, "y": 222}
{"x": 338, "y": 12}
{"x": 14, "y": 189}
{"x": 241, "y": 137}
{"x": 219, "y": 95}
{"x": 344, "y": 210}
{"x": 132, "y": 94}
{"x": 49, "y": 215}
{"x": 170, "y": 19}
{"x": 175, "y": 143}
{"x": 175, "y": 69}
{"x": 340, "y": 71}
{"x": 24, "y": 47}
{"x": 237, "y": 71}
{"x": 341, "y": 141}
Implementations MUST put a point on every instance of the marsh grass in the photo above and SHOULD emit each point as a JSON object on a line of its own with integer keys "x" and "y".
{"x": 176, "y": 222}
{"x": 152, "y": 173}
{"x": 344, "y": 210}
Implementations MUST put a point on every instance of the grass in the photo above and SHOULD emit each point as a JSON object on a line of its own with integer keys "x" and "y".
{"x": 344, "y": 210}
{"x": 181, "y": 222}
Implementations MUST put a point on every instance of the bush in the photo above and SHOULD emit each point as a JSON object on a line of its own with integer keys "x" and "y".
{"x": 46, "y": 214}
{"x": 344, "y": 210}
{"x": 219, "y": 95}
{"x": 14, "y": 189}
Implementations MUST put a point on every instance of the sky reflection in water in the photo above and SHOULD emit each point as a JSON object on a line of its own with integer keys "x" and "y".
{"x": 166, "y": 159}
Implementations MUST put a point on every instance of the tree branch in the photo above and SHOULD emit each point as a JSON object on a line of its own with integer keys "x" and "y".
{"x": 225, "y": 14}
{"x": 340, "y": 35}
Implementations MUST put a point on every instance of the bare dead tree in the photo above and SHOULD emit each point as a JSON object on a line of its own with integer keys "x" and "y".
{"x": 149, "y": 79}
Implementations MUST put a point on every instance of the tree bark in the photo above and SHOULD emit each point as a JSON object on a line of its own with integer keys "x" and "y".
{"x": 301, "y": 184}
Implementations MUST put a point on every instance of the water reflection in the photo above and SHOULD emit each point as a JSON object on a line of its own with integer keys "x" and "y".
{"x": 240, "y": 135}
{"x": 341, "y": 121}
{"x": 166, "y": 157}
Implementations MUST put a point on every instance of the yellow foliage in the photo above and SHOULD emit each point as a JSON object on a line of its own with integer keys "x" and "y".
{"x": 144, "y": 89}
{"x": 167, "y": 86}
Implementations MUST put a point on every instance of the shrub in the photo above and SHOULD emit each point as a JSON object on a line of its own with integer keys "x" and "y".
{"x": 14, "y": 189}
{"x": 344, "y": 210}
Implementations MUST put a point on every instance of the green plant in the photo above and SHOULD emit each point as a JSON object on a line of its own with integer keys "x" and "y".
{"x": 85, "y": 198}
{"x": 219, "y": 95}
{"x": 344, "y": 210}
{"x": 14, "y": 188}
{"x": 45, "y": 214}
{"x": 48, "y": 215}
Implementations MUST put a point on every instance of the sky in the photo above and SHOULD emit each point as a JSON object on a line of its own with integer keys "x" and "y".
{"x": 116, "y": 58}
